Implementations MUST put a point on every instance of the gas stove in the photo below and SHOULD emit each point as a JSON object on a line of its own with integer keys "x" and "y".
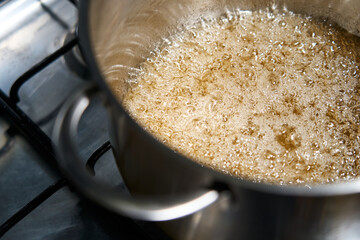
{"x": 40, "y": 67}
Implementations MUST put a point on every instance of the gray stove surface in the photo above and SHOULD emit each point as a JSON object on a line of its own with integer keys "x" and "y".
{"x": 30, "y": 31}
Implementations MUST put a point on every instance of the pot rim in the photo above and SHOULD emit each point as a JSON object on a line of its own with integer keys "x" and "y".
{"x": 319, "y": 190}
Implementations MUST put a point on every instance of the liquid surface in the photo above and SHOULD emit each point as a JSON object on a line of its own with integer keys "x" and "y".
{"x": 264, "y": 96}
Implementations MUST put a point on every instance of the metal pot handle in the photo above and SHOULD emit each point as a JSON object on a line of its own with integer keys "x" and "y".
{"x": 152, "y": 209}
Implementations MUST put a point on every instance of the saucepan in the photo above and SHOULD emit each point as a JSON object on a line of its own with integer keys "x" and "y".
{"x": 188, "y": 200}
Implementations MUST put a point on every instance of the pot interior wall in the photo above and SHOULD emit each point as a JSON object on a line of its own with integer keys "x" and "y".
{"x": 124, "y": 32}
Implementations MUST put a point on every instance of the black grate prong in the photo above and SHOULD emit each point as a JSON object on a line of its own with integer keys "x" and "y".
{"x": 90, "y": 164}
{"x": 31, "y": 206}
{"x": 14, "y": 91}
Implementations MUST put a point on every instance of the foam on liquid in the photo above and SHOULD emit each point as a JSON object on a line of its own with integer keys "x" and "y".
{"x": 265, "y": 96}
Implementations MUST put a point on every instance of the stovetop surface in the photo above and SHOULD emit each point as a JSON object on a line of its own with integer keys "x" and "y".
{"x": 32, "y": 30}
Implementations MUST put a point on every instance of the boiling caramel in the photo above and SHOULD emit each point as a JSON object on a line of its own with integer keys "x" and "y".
{"x": 271, "y": 97}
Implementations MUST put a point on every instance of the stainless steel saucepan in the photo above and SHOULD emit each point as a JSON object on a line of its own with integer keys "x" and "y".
{"x": 191, "y": 201}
